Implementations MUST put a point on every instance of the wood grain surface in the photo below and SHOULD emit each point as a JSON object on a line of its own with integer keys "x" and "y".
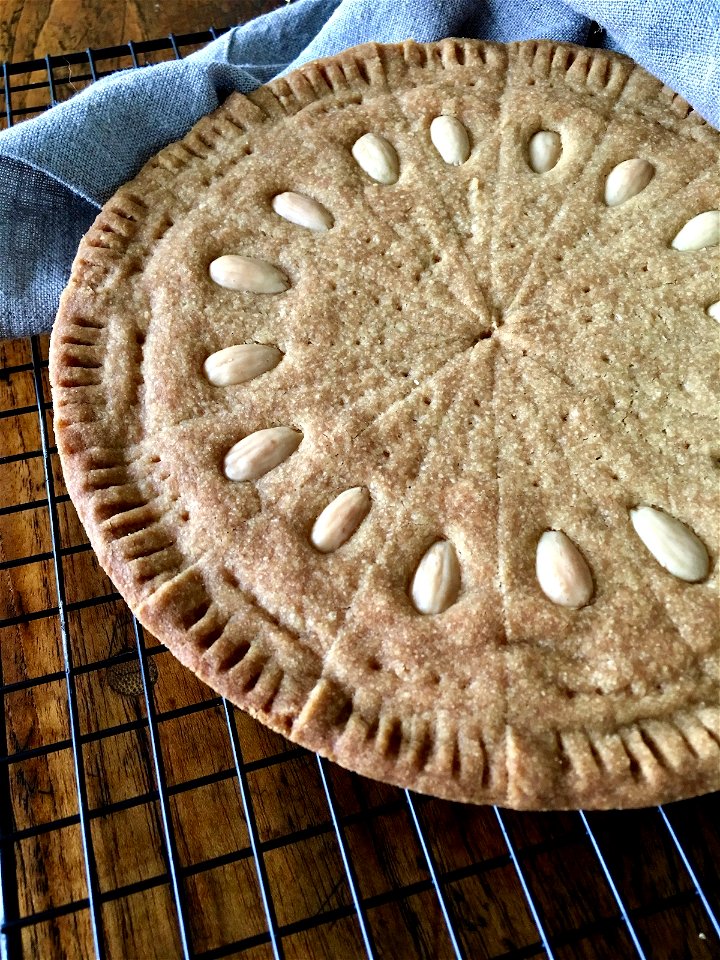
{"x": 480, "y": 860}
{"x": 33, "y": 28}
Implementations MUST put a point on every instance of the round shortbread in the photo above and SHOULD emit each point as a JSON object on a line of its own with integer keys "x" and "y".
{"x": 389, "y": 399}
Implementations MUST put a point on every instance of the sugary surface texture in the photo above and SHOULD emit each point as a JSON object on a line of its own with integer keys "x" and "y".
{"x": 491, "y": 352}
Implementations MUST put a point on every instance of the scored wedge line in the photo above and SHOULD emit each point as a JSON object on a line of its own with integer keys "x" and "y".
{"x": 561, "y": 570}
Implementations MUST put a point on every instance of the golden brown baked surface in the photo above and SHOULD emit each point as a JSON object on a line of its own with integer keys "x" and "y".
{"x": 490, "y": 337}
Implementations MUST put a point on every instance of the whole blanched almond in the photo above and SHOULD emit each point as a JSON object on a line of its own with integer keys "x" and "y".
{"x": 340, "y": 519}
{"x": 714, "y": 311}
{"x": 260, "y": 452}
{"x": 246, "y": 273}
{"x": 302, "y": 210}
{"x": 377, "y": 158}
{"x": 241, "y": 362}
{"x": 674, "y": 546}
{"x": 544, "y": 150}
{"x": 436, "y": 583}
{"x": 450, "y": 139}
{"x": 627, "y": 179}
{"x": 561, "y": 570}
{"x": 700, "y": 232}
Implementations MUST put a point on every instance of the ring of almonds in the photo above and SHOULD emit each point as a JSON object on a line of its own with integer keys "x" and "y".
{"x": 389, "y": 400}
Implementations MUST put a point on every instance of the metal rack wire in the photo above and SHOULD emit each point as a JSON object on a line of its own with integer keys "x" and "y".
{"x": 520, "y": 866}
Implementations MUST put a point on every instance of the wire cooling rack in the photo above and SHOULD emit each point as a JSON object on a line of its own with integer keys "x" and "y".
{"x": 143, "y": 816}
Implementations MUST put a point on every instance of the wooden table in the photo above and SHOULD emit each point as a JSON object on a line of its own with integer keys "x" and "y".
{"x": 129, "y": 813}
{"x": 33, "y": 28}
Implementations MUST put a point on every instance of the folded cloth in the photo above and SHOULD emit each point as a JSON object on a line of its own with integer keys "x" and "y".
{"x": 57, "y": 170}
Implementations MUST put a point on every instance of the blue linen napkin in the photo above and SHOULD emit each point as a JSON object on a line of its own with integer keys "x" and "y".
{"x": 57, "y": 170}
